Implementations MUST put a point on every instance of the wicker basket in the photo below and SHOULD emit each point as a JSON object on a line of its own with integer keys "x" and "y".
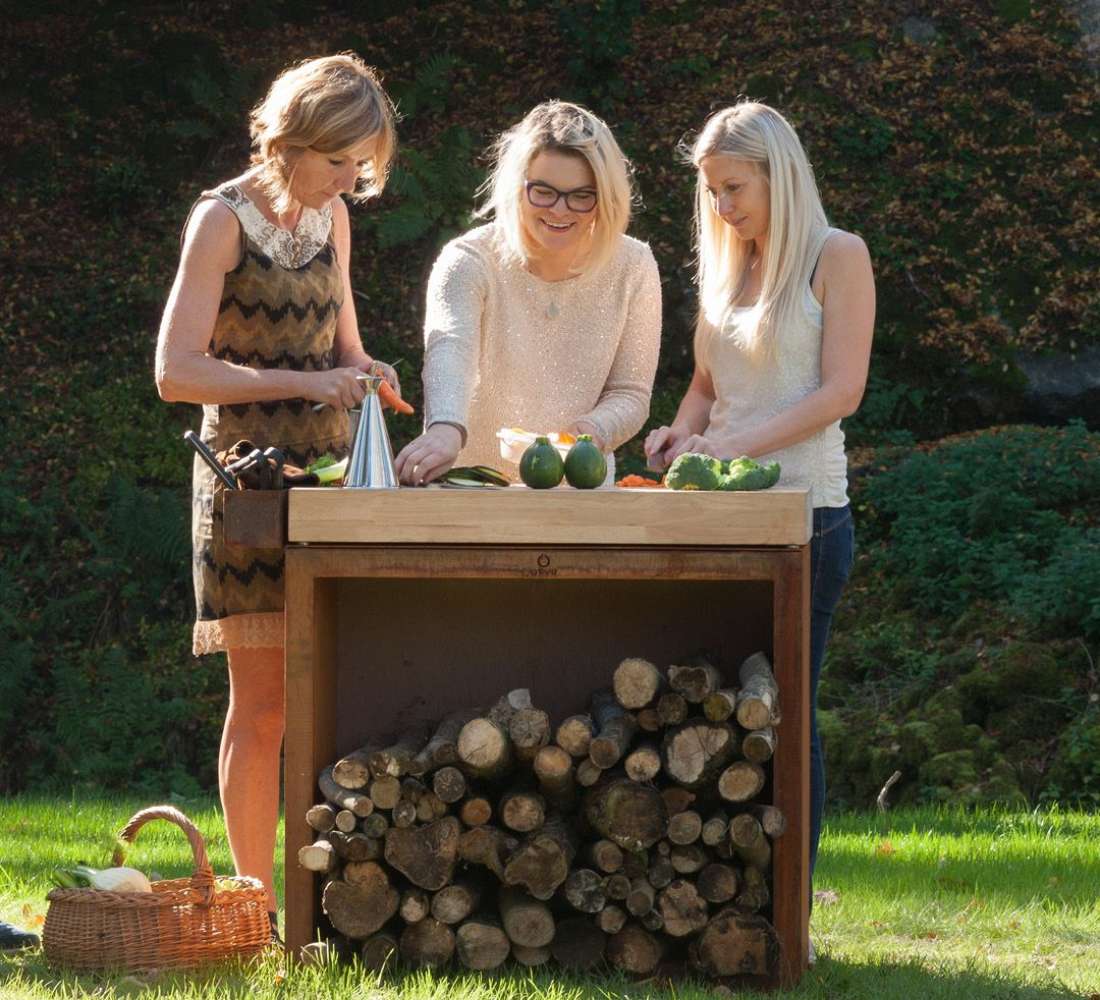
{"x": 182, "y": 923}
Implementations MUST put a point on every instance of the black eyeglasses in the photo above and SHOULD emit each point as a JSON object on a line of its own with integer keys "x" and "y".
{"x": 543, "y": 195}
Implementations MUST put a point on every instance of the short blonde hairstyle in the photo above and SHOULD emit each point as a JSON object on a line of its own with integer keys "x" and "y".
{"x": 330, "y": 105}
{"x": 761, "y": 135}
{"x": 564, "y": 128}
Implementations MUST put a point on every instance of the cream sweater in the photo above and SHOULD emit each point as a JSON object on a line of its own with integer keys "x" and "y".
{"x": 503, "y": 348}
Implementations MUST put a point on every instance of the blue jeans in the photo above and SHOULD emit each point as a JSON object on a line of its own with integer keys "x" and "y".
{"x": 832, "y": 550}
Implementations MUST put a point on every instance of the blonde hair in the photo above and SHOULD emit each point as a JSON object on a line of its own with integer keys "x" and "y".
{"x": 331, "y": 105}
{"x": 762, "y": 136}
{"x": 563, "y": 128}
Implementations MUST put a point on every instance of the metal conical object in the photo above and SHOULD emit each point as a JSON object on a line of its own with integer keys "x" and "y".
{"x": 370, "y": 464}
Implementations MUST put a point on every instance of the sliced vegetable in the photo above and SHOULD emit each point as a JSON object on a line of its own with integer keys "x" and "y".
{"x": 389, "y": 397}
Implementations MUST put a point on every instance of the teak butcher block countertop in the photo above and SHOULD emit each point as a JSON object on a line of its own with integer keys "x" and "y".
{"x": 521, "y": 516}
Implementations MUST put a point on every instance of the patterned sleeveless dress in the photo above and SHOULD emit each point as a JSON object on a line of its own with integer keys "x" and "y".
{"x": 278, "y": 310}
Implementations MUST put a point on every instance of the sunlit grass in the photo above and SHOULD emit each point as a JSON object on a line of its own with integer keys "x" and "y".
{"x": 915, "y": 904}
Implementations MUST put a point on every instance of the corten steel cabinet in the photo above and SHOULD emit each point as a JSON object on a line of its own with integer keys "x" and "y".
{"x": 405, "y": 605}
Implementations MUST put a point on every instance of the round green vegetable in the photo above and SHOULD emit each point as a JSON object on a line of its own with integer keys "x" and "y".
{"x": 585, "y": 465}
{"x": 541, "y": 467}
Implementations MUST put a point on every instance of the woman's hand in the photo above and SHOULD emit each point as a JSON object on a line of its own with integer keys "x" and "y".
{"x": 339, "y": 387}
{"x": 388, "y": 372}
{"x": 429, "y": 456}
{"x": 723, "y": 448}
{"x": 661, "y": 445}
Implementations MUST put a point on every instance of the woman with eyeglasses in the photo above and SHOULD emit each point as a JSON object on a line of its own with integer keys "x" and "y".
{"x": 782, "y": 344}
{"x": 548, "y": 317}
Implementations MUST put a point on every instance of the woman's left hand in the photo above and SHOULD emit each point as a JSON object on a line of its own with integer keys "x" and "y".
{"x": 725, "y": 448}
{"x": 388, "y": 372}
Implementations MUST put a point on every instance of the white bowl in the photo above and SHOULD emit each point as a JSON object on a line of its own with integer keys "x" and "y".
{"x": 514, "y": 443}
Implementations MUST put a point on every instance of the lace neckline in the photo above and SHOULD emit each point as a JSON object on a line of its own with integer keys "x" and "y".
{"x": 288, "y": 249}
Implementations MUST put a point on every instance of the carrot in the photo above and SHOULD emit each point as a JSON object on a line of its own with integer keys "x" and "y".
{"x": 632, "y": 482}
{"x": 390, "y": 398}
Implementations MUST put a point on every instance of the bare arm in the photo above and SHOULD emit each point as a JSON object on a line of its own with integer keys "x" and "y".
{"x": 185, "y": 372}
{"x": 691, "y": 418}
{"x": 846, "y": 290}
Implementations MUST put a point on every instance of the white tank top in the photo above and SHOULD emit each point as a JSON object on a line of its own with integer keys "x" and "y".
{"x": 750, "y": 390}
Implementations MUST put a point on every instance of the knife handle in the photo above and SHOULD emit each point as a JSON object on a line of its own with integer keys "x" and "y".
{"x": 208, "y": 457}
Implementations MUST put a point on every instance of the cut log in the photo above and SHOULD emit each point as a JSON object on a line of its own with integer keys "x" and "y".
{"x": 694, "y": 681}
{"x": 758, "y": 700}
{"x": 321, "y": 818}
{"x": 425, "y": 855}
{"x": 427, "y": 943}
{"x": 695, "y": 752}
{"x": 342, "y": 798}
{"x": 636, "y": 682}
{"x": 643, "y": 763}
{"x": 635, "y": 864}
{"x": 385, "y": 791}
{"x": 400, "y": 758}
{"x": 745, "y": 830}
{"x": 584, "y": 890}
{"x": 506, "y": 707}
{"x": 685, "y": 827}
{"x": 661, "y": 873}
{"x": 527, "y": 922}
{"x": 356, "y": 846}
{"x": 724, "y": 849}
{"x": 319, "y": 856}
{"x": 753, "y": 894}
{"x": 634, "y": 950}
{"x": 379, "y": 952}
{"x": 481, "y": 944}
{"x": 672, "y": 708}
{"x": 606, "y": 856}
{"x": 357, "y": 911}
{"x": 578, "y": 944}
{"x": 346, "y": 821}
{"x": 759, "y": 745}
{"x": 683, "y": 910}
{"x": 631, "y": 815}
{"x": 522, "y": 811}
{"x": 588, "y": 773}
{"x": 353, "y": 771}
{"x": 641, "y": 897}
{"x": 529, "y": 731}
{"x": 484, "y": 749}
{"x": 758, "y": 856}
{"x": 736, "y": 944}
{"x": 611, "y": 919}
{"x": 542, "y": 861}
{"x": 677, "y": 799}
{"x": 554, "y": 770}
{"x": 615, "y": 728}
{"x": 374, "y": 826}
{"x": 457, "y": 901}
{"x": 364, "y": 874}
{"x": 687, "y": 859}
{"x": 415, "y": 905}
{"x": 430, "y": 808}
{"x": 476, "y": 811}
{"x": 442, "y": 749}
{"x": 652, "y": 921}
{"x": 720, "y": 705}
{"x": 404, "y": 814}
{"x": 487, "y": 846}
{"x": 617, "y": 886}
{"x": 741, "y": 781}
{"x": 649, "y": 721}
{"x": 715, "y": 830}
{"x": 575, "y": 734}
{"x": 531, "y": 957}
{"x": 771, "y": 819}
{"x": 717, "y": 883}
{"x": 449, "y": 783}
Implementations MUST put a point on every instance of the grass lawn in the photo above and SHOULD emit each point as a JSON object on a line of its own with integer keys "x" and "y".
{"x": 916, "y": 904}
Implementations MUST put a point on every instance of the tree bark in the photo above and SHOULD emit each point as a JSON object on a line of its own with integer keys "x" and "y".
{"x": 636, "y": 682}
{"x": 342, "y": 798}
{"x": 442, "y": 749}
{"x": 754, "y": 894}
{"x": 425, "y": 855}
{"x": 400, "y": 758}
{"x": 554, "y": 770}
{"x": 357, "y": 911}
{"x": 615, "y": 728}
{"x": 758, "y": 702}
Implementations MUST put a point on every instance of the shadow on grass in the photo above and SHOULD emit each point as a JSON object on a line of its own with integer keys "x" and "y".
{"x": 29, "y": 976}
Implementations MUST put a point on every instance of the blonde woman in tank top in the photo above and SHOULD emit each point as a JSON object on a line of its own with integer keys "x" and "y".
{"x": 782, "y": 343}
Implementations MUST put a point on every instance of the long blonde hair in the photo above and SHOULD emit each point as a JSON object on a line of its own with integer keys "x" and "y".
{"x": 566, "y": 128}
{"x": 331, "y": 105}
{"x": 760, "y": 135}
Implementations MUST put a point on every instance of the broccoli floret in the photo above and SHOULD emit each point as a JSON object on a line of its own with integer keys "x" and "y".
{"x": 745, "y": 474}
{"x": 694, "y": 471}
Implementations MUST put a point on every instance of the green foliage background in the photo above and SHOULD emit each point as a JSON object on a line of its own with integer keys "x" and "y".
{"x": 966, "y": 160}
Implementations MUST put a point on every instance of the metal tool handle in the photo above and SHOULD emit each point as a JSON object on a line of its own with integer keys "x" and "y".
{"x": 208, "y": 457}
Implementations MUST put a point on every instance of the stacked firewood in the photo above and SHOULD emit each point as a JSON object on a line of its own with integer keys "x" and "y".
{"x": 631, "y": 833}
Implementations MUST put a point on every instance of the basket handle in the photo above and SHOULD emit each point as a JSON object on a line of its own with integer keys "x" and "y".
{"x": 202, "y": 880}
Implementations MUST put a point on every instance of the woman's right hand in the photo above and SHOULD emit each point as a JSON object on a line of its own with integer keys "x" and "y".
{"x": 660, "y": 443}
{"x": 339, "y": 387}
{"x": 429, "y": 456}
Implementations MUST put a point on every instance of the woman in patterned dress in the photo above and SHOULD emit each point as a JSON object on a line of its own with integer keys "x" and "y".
{"x": 259, "y": 328}
{"x": 782, "y": 345}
